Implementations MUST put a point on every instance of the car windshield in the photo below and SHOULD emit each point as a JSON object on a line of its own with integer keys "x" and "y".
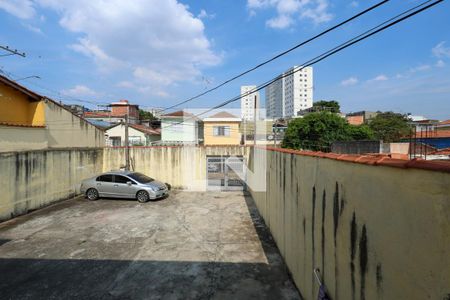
{"x": 141, "y": 178}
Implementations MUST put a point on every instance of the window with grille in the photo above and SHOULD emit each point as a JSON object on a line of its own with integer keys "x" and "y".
{"x": 221, "y": 130}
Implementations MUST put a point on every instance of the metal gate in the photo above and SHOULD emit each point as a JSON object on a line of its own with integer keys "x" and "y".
{"x": 225, "y": 173}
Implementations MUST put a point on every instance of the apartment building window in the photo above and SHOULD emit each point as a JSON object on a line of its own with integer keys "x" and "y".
{"x": 221, "y": 130}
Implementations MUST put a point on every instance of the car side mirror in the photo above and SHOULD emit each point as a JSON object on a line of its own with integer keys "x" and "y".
{"x": 129, "y": 183}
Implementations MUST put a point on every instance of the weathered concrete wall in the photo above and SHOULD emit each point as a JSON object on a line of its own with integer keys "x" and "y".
{"x": 376, "y": 232}
{"x": 66, "y": 130}
{"x": 182, "y": 167}
{"x": 22, "y": 138}
{"x": 30, "y": 180}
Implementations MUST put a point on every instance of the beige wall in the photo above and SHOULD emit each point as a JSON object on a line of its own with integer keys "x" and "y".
{"x": 65, "y": 130}
{"x": 182, "y": 167}
{"x": 62, "y": 130}
{"x": 30, "y": 180}
{"x": 395, "y": 221}
{"x": 233, "y": 139}
{"x": 14, "y": 138}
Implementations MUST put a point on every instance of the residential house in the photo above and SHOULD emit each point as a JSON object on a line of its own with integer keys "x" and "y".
{"x": 421, "y": 123}
{"x": 222, "y": 129}
{"x": 29, "y": 121}
{"x": 444, "y": 125}
{"x": 439, "y": 139}
{"x": 360, "y": 117}
{"x": 138, "y": 135}
{"x": 117, "y": 114}
{"x": 181, "y": 127}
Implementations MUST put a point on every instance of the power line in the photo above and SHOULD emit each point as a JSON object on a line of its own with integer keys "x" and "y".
{"x": 56, "y": 94}
{"x": 387, "y": 24}
{"x": 12, "y": 51}
{"x": 280, "y": 54}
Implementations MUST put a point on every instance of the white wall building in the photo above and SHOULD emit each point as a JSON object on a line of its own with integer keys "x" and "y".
{"x": 248, "y": 102}
{"x": 286, "y": 96}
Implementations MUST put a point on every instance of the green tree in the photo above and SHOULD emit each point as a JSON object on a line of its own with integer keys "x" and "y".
{"x": 332, "y": 106}
{"x": 145, "y": 115}
{"x": 360, "y": 132}
{"x": 390, "y": 126}
{"x": 317, "y": 131}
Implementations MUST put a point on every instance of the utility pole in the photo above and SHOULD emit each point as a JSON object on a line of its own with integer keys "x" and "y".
{"x": 127, "y": 142}
{"x": 274, "y": 129}
{"x": 254, "y": 122}
{"x": 12, "y": 51}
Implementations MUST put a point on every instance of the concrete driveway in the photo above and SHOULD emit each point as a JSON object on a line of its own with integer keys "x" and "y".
{"x": 188, "y": 246}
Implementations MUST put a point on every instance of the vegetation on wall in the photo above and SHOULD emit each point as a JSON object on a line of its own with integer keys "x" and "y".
{"x": 317, "y": 131}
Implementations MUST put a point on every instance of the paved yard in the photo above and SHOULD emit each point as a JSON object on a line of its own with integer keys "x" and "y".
{"x": 188, "y": 246}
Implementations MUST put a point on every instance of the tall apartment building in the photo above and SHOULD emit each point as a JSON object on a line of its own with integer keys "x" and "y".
{"x": 286, "y": 96}
{"x": 248, "y": 102}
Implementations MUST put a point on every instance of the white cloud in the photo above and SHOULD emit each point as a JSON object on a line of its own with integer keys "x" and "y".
{"x": 349, "y": 81}
{"x": 126, "y": 84}
{"x": 33, "y": 28}
{"x": 280, "y": 22}
{"x": 204, "y": 15}
{"x": 420, "y": 68}
{"x": 288, "y": 11}
{"x": 150, "y": 42}
{"x": 440, "y": 51}
{"x": 79, "y": 91}
{"x": 440, "y": 63}
{"x": 380, "y": 77}
{"x": 354, "y": 4}
{"x": 22, "y": 9}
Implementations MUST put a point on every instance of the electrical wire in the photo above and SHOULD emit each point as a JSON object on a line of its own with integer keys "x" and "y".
{"x": 368, "y": 33}
{"x": 280, "y": 54}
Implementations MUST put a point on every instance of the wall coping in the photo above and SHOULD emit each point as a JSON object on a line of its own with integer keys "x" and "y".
{"x": 52, "y": 149}
{"x": 373, "y": 159}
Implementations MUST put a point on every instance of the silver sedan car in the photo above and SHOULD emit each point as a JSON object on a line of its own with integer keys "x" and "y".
{"x": 124, "y": 184}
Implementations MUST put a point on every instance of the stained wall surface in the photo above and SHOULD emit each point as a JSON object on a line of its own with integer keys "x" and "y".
{"x": 182, "y": 167}
{"x": 375, "y": 232}
{"x": 34, "y": 179}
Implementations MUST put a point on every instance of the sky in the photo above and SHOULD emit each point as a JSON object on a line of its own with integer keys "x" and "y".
{"x": 156, "y": 53}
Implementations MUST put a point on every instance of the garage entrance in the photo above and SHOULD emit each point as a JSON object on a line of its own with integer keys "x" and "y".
{"x": 224, "y": 173}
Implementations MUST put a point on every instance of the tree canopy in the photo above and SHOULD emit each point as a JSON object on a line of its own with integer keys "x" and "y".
{"x": 390, "y": 126}
{"x": 317, "y": 131}
{"x": 332, "y": 106}
{"x": 145, "y": 115}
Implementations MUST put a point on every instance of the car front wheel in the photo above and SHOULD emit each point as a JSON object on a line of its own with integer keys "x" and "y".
{"x": 92, "y": 194}
{"x": 142, "y": 196}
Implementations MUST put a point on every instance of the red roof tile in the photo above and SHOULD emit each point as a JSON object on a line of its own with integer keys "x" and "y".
{"x": 433, "y": 134}
{"x": 146, "y": 129}
{"x": 445, "y": 151}
{"x": 446, "y": 122}
{"x": 223, "y": 114}
{"x": 376, "y": 160}
{"x": 180, "y": 113}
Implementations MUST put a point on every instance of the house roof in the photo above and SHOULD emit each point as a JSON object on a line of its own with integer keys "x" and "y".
{"x": 222, "y": 116}
{"x": 180, "y": 113}
{"x": 433, "y": 134}
{"x": 446, "y": 122}
{"x": 145, "y": 129}
{"x": 141, "y": 128}
{"x": 34, "y": 96}
{"x": 103, "y": 114}
{"x": 37, "y": 97}
{"x": 445, "y": 151}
